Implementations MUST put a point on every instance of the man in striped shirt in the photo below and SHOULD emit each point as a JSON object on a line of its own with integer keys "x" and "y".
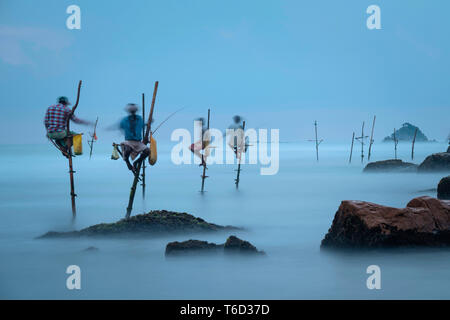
{"x": 56, "y": 119}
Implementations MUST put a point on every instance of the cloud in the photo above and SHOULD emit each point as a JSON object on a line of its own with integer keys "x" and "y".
{"x": 19, "y": 44}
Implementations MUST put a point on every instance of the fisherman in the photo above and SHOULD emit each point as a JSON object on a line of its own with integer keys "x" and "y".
{"x": 133, "y": 146}
{"x": 202, "y": 143}
{"x": 236, "y": 139}
{"x": 56, "y": 121}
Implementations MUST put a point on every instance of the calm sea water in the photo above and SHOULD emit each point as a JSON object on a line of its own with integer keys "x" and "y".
{"x": 285, "y": 215}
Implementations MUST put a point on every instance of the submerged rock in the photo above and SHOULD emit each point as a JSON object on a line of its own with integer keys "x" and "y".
{"x": 424, "y": 222}
{"x": 435, "y": 162}
{"x": 390, "y": 165}
{"x": 154, "y": 223}
{"x": 91, "y": 249}
{"x": 232, "y": 245}
{"x": 443, "y": 189}
{"x": 190, "y": 246}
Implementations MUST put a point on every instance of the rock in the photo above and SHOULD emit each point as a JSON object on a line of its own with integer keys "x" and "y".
{"x": 448, "y": 149}
{"x": 232, "y": 245}
{"x": 406, "y": 133}
{"x": 154, "y": 223}
{"x": 390, "y": 165}
{"x": 435, "y": 162}
{"x": 358, "y": 224}
{"x": 91, "y": 249}
{"x": 190, "y": 246}
{"x": 236, "y": 245}
{"x": 443, "y": 189}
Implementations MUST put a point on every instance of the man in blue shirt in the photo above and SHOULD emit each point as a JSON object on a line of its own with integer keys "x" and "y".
{"x": 132, "y": 126}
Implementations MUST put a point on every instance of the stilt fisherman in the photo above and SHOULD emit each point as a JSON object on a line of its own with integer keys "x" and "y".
{"x": 55, "y": 123}
{"x": 133, "y": 146}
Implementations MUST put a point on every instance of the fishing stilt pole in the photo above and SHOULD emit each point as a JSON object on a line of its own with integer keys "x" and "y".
{"x": 351, "y": 149}
{"x": 413, "y": 142}
{"x": 145, "y": 141}
{"x": 395, "y": 145}
{"x": 93, "y": 136}
{"x": 143, "y": 162}
{"x": 69, "y": 154}
{"x": 362, "y": 143}
{"x": 317, "y": 144}
{"x": 371, "y": 139}
{"x": 361, "y": 140}
{"x": 317, "y": 141}
{"x": 239, "y": 159}
{"x": 204, "y": 176}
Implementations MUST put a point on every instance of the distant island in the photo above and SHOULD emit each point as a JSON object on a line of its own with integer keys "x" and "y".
{"x": 406, "y": 133}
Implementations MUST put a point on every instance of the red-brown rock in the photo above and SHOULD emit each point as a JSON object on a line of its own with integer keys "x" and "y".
{"x": 443, "y": 189}
{"x": 424, "y": 222}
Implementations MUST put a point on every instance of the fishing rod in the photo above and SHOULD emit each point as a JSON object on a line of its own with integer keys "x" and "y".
{"x": 170, "y": 116}
{"x": 204, "y": 176}
{"x": 69, "y": 153}
{"x": 145, "y": 141}
{"x": 94, "y": 138}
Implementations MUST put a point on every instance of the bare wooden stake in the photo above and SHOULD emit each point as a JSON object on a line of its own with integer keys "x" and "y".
{"x": 351, "y": 149}
{"x": 145, "y": 141}
{"x": 413, "y": 142}
{"x": 317, "y": 141}
{"x": 395, "y": 144}
{"x": 361, "y": 140}
{"x": 371, "y": 139}
{"x": 204, "y": 176}
{"x": 94, "y": 137}
{"x": 239, "y": 159}
{"x": 69, "y": 153}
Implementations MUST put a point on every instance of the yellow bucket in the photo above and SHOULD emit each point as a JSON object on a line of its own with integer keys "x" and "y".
{"x": 153, "y": 152}
{"x": 77, "y": 144}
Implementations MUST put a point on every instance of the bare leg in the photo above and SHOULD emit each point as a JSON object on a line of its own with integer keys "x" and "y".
{"x": 126, "y": 156}
{"x": 195, "y": 149}
{"x": 232, "y": 146}
{"x": 142, "y": 157}
{"x": 63, "y": 147}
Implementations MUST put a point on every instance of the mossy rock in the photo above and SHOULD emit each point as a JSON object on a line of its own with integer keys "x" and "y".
{"x": 154, "y": 223}
{"x": 391, "y": 165}
{"x": 233, "y": 245}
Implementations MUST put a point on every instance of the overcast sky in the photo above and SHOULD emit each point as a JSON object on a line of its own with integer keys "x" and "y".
{"x": 280, "y": 64}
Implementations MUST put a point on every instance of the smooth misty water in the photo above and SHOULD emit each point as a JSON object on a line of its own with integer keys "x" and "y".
{"x": 286, "y": 215}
